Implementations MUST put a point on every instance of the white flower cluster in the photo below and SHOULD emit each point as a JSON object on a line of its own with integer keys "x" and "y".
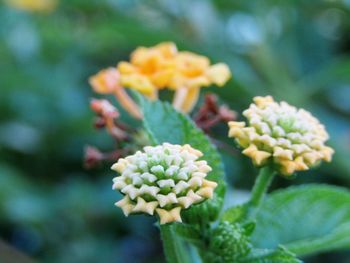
{"x": 292, "y": 138}
{"x": 165, "y": 178}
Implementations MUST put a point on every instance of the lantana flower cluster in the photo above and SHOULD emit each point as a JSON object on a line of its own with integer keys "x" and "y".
{"x": 164, "y": 179}
{"x": 291, "y": 138}
{"x": 162, "y": 66}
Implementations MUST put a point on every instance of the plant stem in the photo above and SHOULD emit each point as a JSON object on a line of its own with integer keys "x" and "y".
{"x": 174, "y": 249}
{"x": 261, "y": 185}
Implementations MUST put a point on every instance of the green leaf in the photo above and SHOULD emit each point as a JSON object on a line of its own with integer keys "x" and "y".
{"x": 280, "y": 255}
{"x": 249, "y": 227}
{"x": 164, "y": 124}
{"x": 190, "y": 233}
{"x": 306, "y": 219}
{"x": 335, "y": 71}
{"x": 235, "y": 214}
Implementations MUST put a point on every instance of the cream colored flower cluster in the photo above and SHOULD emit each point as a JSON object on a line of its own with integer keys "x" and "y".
{"x": 162, "y": 179}
{"x": 292, "y": 138}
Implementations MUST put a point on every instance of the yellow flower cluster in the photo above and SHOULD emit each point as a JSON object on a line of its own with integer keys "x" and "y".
{"x": 33, "y": 5}
{"x": 292, "y": 139}
{"x": 162, "y": 66}
{"x": 164, "y": 179}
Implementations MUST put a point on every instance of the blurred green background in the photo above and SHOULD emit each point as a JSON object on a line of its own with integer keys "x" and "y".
{"x": 54, "y": 210}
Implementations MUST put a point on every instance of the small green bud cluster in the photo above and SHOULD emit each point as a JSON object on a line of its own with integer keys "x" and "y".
{"x": 229, "y": 243}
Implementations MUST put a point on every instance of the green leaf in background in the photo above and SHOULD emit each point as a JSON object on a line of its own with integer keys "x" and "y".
{"x": 164, "y": 124}
{"x": 305, "y": 219}
{"x": 190, "y": 233}
{"x": 235, "y": 214}
{"x": 280, "y": 255}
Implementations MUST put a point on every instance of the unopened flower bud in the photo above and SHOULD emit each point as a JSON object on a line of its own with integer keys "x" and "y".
{"x": 163, "y": 179}
{"x": 292, "y": 139}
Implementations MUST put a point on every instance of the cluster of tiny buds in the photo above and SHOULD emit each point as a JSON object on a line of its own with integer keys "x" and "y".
{"x": 291, "y": 138}
{"x": 164, "y": 179}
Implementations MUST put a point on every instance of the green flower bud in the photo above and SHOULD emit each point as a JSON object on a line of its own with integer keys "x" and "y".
{"x": 228, "y": 243}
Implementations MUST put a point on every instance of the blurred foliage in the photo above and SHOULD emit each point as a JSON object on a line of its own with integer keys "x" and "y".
{"x": 54, "y": 210}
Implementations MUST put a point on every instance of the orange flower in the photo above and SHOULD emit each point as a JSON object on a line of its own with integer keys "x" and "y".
{"x": 162, "y": 66}
{"x": 159, "y": 67}
{"x": 149, "y": 69}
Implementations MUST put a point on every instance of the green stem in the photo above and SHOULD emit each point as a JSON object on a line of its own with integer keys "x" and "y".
{"x": 174, "y": 249}
{"x": 261, "y": 185}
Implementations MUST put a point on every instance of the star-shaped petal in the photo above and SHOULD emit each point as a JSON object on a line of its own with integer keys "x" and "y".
{"x": 146, "y": 207}
{"x": 166, "y": 199}
{"x": 131, "y": 191}
{"x": 195, "y": 181}
{"x": 206, "y": 192}
{"x": 311, "y": 157}
{"x": 261, "y": 102}
{"x": 189, "y": 199}
{"x": 166, "y": 216}
{"x": 282, "y": 153}
{"x": 151, "y": 190}
{"x": 300, "y": 164}
{"x": 257, "y": 156}
{"x": 126, "y": 205}
{"x": 180, "y": 186}
{"x": 118, "y": 183}
{"x": 327, "y": 153}
{"x": 119, "y": 166}
{"x": 288, "y": 167}
{"x": 211, "y": 184}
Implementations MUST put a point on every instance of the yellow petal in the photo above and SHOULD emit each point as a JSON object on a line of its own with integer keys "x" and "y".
{"x": 33, "y": 5}
{"x": 236, "y": 124}
{"x": 206, "y": 192}
{"x": 282, "y": 153}
{"x": 327, "y": 153}
{"x": 287, "y": 167}
{"x": 167, "y": 49}
{"x": 120, "y": 165}
{"x": 258, "y": 157}
{"x": 162, "y": 78}
{"x": 219, "y": 74}
{"x": 137, "y": 82}
{"x": 262, "y": 101}
{"x": 300, "y": 164}
{"x": 185, "y": 99}
{"x": 126, "y": 68}
{"x": 127, "y": 103}
{"x": 211, "y": 184}
{"x": 236, "y": 133}
{"x": 105, "y": 81}
{"x": 311, "y": 157}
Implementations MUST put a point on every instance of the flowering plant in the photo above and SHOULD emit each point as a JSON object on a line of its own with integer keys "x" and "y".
{"x": 171, "y": 169}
